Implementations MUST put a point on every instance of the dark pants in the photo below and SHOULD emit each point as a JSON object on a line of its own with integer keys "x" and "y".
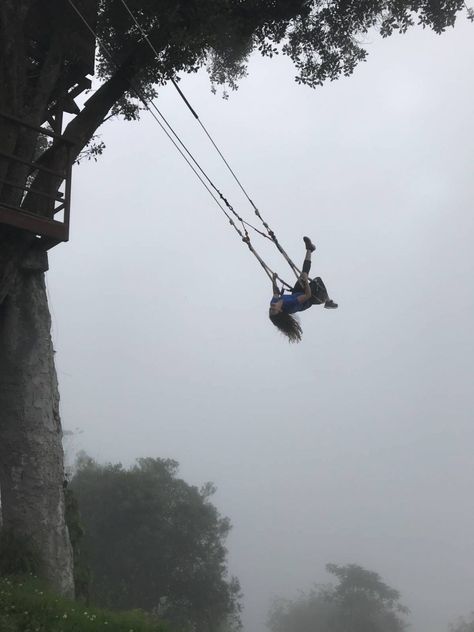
{"x": 319, "y": 294}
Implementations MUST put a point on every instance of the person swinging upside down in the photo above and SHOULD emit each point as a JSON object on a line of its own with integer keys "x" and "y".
{"x": 304, "y": 295}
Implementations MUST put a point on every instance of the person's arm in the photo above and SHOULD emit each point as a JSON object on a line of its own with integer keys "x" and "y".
{"x": 276, "y": 291}
{"x": 307, "y": 290}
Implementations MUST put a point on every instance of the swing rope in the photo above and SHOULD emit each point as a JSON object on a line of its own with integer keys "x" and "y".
{"x": 243, "y": 233}
{"x": 270, "y": 233}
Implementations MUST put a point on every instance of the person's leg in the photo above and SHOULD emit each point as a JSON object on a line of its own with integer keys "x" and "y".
{"x": 323, "y": 295}
{"x": 310, "y": 248}
{"x": 320, "y": 294}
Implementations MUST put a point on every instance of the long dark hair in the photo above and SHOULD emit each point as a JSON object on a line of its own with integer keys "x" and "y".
{"x": 288, "y": 325}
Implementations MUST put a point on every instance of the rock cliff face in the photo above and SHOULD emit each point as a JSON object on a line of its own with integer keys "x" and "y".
{"x": 31, "y": 454}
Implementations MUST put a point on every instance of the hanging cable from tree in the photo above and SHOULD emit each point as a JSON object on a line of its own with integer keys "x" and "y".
{"x": 192, "y": 162}
{"x": 270, "y": 232}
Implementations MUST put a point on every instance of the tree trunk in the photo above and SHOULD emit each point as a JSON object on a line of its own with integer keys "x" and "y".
{"x": 31, "y": 454}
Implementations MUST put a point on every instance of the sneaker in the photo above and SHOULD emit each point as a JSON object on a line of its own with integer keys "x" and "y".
{"x": 329, "y": 304}
{"x": 309, "y": 244}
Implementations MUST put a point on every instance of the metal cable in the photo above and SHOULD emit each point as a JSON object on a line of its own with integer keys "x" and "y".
{"x": 243, "y": 235}
{"x": 271, "y": 235}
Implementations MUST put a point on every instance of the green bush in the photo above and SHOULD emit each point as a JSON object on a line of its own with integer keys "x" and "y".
{"x": 26, "y": 606}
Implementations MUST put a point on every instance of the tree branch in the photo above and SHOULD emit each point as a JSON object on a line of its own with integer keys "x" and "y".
{"x": 95, "y": 111}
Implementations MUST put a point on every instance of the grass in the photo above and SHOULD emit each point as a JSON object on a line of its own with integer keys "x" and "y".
{"x": 26, "y": 606}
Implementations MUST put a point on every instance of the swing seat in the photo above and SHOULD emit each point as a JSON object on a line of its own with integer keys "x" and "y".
{"x": 319, "y": 293}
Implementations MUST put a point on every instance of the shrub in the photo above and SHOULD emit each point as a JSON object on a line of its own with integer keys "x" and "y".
{"x": 27, "y": 606}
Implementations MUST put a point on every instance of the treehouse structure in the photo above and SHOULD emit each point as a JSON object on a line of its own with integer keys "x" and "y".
{"x": 44, "y": 210}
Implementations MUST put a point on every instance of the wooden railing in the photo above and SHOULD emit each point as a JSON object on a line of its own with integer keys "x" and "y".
{"x": 47, "y": 228}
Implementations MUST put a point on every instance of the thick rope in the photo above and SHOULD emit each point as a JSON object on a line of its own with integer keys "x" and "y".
{"x": 270, "y": 233}
{"x": 242, "y": 233}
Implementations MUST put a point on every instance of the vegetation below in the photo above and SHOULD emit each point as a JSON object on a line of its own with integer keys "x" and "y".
{"x": 144, "y": 538}
{"x": 359, "y": 602}
{"x": 27, "y": 606}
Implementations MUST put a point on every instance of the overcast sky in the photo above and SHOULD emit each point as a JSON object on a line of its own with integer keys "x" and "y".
{"x": 355, "y": 445}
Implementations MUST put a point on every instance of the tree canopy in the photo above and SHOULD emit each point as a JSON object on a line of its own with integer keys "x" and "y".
{"x": 359, "y": 602}
{"x": 154, "y": 542}
{"x": 321, "y": 38}
{"x": 463, "y": 625}
{"x": 42, "y": 51}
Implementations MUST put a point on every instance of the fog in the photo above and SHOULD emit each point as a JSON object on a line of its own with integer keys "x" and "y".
{"x": 355, "y": 445}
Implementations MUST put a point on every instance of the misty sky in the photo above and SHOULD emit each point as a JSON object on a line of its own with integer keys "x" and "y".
{"x": 357, "y": 444}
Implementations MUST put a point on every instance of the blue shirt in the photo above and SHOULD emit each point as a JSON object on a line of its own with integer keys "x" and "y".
{"x": 291, "y": 303}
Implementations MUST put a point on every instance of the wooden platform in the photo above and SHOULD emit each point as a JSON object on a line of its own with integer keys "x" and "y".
{"x": 50, "y": 230}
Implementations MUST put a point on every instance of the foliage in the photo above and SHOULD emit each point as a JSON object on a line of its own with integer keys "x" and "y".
{"x": 16, "y": 554}
{"x": 82, "y": 574}
{"x": 156, "y": 543}
{"x": 359, "y": 602}
{"x": 321, "y": 37}
{"x": 364, "y": 601}
{"x": 94, "y": 148}
{"x": 311, "y": 612}
{"x": 463, "y": 625}
{"x": 27, "y": 606}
